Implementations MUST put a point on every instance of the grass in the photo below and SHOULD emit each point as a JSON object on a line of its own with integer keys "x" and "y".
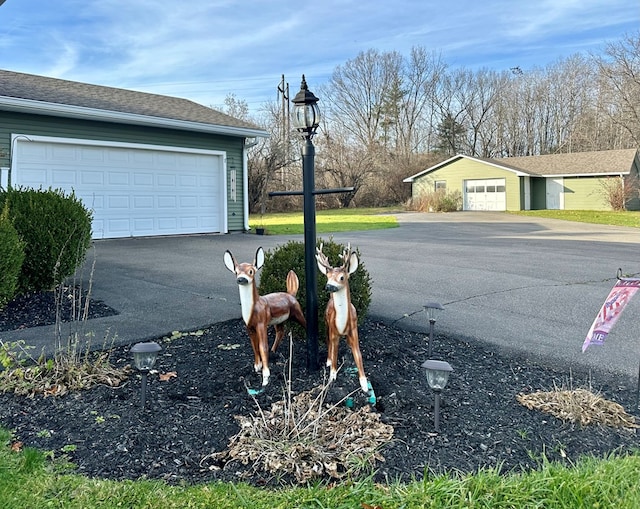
{"x": 626, "y": 218}
{"x": 28, "y": 479}
{"x": 327, "y": 221}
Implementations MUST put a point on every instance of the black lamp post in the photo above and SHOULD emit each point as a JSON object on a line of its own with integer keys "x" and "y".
{"x": 144, "y": 357}
{"x": 433, "y": 309}
{"x": 306, "y": 119}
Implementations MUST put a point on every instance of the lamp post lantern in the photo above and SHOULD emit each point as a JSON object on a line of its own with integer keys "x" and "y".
{"x": 437, "y": 377}
{"x": 144, "y": 357}
{"x": 306, "y": 119}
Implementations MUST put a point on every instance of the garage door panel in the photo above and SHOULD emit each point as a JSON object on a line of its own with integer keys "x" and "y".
{"x": 485, "y": 194}
{"x": 131, "y": 191}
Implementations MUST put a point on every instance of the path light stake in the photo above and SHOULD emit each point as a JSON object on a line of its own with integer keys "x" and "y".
{"x": 437, "y": 377}
{"x": 433, "y": 309}
{"x": 144, "y": 357}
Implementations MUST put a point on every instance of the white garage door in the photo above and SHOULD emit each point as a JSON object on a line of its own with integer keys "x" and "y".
{"x": 133, "y": 190}
{"x": 487, "y": 194}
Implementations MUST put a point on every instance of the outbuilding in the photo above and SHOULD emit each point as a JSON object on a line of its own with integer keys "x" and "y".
{"x": 145, "y": 164}
{"x": 572, "y": 181}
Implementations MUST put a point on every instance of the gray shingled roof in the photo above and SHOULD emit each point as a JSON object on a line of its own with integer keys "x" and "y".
{"x": 51, "y": 90}
{"x": 577, "y": 163}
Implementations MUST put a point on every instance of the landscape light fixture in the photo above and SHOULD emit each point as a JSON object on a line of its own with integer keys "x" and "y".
{"x": 437, "y": 377}
{"x": 144, "y": 358}
{"x": 433, "y": 310}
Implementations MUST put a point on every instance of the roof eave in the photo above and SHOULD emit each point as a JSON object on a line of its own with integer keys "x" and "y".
{"x": 80, "y": 112}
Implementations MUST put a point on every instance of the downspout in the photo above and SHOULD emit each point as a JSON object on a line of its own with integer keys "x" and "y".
{"x": 245, "y": 179}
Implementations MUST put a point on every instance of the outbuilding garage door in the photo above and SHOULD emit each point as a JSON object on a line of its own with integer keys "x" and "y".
{"x": 487, "y": 194}
{"x": 133, "y": 190}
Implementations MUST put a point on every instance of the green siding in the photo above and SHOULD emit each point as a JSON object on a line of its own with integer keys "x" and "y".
{"x": 456, "y": 172}
{"x": 41, "y": 125}
{"x": 584, "y": 193}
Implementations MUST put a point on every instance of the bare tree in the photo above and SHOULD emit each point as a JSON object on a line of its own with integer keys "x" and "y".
{"x": 621, "y": 72}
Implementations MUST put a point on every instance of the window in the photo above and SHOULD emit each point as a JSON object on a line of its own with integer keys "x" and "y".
{"x": 441, "y": 185}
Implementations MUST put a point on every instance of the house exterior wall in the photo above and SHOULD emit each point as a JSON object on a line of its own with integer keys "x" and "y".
{"x": 584, "y": 193}
{"x": 455, "y": 173}
{"x": 43, "y": 125}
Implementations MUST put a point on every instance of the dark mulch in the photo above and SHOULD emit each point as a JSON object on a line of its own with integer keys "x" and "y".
{"x": 191, "y": 415}
{"x": 39, "y": 308}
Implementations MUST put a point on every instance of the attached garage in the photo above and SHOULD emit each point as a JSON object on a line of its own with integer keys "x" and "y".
{"x": 133, "y": 190}
{"x": 145, "y": 164}
{"x": 488, "y": 194}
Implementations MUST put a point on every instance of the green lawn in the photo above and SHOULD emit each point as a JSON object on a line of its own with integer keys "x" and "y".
{"x": 28, "y": 480}
{"x": 626, "y": 218}
{"x": 327, "y": 221}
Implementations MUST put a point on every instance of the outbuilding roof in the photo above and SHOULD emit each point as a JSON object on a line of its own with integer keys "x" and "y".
{"x": 603, "y": 162}
{"x": 39, "y": 94}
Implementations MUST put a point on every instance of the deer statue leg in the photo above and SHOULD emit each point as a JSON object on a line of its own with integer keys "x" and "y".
{"x": 263, "y": 348}
{"x": 255, "y": 344}
{"x": 354, "y": 344}
{"x": 279, "y": 335}
{"x": 332, "y": 356}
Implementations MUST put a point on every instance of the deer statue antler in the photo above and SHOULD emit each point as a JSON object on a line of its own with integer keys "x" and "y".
{"x": 341, "y": 315}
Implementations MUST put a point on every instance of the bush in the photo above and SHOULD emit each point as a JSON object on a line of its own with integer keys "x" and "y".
{"x": 11, "y": 258}
{"x": 56, "y": 229}
{"x": 437, "y": 201}
{"x": 290, "y": 256}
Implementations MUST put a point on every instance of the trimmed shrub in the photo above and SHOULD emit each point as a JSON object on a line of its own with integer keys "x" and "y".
{"x": 56, "y": 229}
{"x": 11, "y": 258}
{"x": 290, "y": 256}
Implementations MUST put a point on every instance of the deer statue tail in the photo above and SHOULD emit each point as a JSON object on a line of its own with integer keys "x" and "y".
{"x": 292, "y": 283}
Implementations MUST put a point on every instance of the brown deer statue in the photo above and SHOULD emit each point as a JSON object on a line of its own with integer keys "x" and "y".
{"x": 258, "y": 312}
{"x": 340, "y": 315}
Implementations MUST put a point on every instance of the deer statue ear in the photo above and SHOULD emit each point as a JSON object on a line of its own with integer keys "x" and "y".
{"x": 353, "y": 262}
{"x": 259, "y": 261}
{"x": 229, "y": 261}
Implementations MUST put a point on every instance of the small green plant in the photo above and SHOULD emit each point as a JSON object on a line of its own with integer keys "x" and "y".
{"x": 69, "y": 448}
{"x": 11, "y": 258}
{"x": 44, "y": 433}
{"x": 290, "y": 256}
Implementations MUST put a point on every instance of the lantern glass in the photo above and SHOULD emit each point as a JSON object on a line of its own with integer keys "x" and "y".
{"x": 433, "y": 310}
{"x": 306, "y": 117}
{"x": 437, "y": 373}
{"x": 145, "y": 355}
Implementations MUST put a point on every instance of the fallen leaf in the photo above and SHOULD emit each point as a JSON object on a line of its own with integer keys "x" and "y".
{"x": 167, "y": 376}
{"x": 229, "y": 346}
{"x": 16, "y": 446}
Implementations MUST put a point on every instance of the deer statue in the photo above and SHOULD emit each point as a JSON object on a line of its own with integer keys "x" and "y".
{"x": 340, "y": 315}
{"x": 258, "y": 312}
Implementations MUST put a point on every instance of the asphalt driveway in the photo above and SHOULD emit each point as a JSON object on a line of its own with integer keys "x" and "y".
{"x": 529, "y": 284}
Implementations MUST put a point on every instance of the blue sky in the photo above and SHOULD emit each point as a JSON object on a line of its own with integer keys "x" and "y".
{"x": 205, "y": 49}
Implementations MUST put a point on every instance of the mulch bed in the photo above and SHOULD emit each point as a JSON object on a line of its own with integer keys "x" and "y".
{"x": 200, "y": 385}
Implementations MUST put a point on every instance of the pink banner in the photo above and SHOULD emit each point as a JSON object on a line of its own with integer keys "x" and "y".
{"x": 618, "y": 298}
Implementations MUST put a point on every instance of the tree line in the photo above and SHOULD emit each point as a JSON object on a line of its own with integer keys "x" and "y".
{"x": 386, "y": 116}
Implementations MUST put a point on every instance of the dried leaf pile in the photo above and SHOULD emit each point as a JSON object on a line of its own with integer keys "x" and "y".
{"x": 307, "y": 439}
{"x": 579, "y": 406}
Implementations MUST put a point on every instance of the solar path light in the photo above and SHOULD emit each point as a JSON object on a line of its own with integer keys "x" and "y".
{"x": 437, "y": 377}
{"x": 144, "y": 358}
{"x": 433, "y": 310}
